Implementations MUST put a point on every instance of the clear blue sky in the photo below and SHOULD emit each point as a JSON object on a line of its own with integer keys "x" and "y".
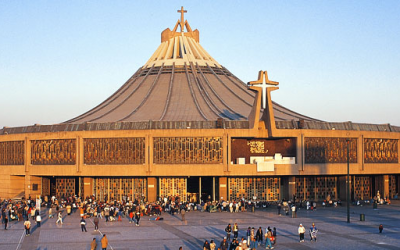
{"x": 334, "y": 60}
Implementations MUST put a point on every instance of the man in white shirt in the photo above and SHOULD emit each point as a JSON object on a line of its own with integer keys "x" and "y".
{"x": 301, "y": 232}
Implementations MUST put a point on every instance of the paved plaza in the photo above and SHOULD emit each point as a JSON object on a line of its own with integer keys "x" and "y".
{"x": 171, "y": 233}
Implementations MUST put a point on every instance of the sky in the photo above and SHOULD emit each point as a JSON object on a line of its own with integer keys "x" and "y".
{"x": 335, "y": 61}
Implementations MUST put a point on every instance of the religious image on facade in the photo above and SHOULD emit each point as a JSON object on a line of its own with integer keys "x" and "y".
{"x": 184, "y": 125}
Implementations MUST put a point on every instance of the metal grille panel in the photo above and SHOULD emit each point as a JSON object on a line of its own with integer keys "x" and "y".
{"x": 120, "y": 188}
{"x": 264, "y": 189}
{"x": 65, "y": 187}
{"x": 381, "y": 151}
{"x": 53, "y": 152}
{"x": 114, "y": 151}
{"x": 12, "y": 153}
{"x": 187, "y": 150}
{"x": 173, "y": 187}
{"x": 329, "y": 150}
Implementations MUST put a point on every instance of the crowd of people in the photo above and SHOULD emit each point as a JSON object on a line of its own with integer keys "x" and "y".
{"x": 20, "y": 211}
{"x": 28, "y": 211}
{"x": 252, "y": 239}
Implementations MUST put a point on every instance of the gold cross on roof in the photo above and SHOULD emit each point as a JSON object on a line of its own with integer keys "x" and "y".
{"x": 182, "y": 23}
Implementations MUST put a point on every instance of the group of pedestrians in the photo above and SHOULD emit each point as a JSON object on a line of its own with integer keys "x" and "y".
{"x": 312, "y": 231}
{"x": 103, "y": 242}
{"x": 253, "y": 239}
{"x": 24, "y": 210}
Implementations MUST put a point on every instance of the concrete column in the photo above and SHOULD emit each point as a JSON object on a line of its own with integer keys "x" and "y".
{"x": 79, "y": 154}
{"x": 223, "y": 188}
{"x": 199, "y": 189}
{"x": 225, "y": 151}
{"x": 149, "y": 153}
{"x": 291, "y": 187}
{"x": 151, "y": 189}
{"x": 213, "y": 188}
{"x": 87, "y": 186}
{"x": 300, "y": 152}
{"x": 120, "y": 189}
{"x": 132, "y": 198}
{"x": 108, "y": 190}
{"x": 229, "y": 150}
{"x": 385, "y": 186}
{"x": 27, "y": 161}
{"x": 360, "y": 151}
{"x": 28, "y": 185}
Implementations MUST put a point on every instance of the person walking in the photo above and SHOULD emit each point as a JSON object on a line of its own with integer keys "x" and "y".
{"x": 253, "y": 242}
{"x": 104, "y": 242}
{"x": 93, "y": 244}
{"x": 137, "y": 218}
{"x": 27, "y": 225}
{"x": 59, "y": 218}
{"x": 224, "y": 244}
{"x": 274, "y": 234}
{"x": 228, "y": 231}
{"x": 313, "y": 232}
{"x": 119, "y": 215}
{"x": 130, "y": 216}
{"x": 268, "y": 244}
{"x": 212, "y": 245}
{"x": 279, "y": 207}
{"x": 38, "y": 220}
{"x": 294, "y": 211}
{"x": 69, "y": 209}
{"x": 33, "y": 214}
{"x": 5, "y": 222}
{"x": 107, "y": 213}
{"x": 380, "y": 228}
{"x": 234, "y": 244}
{"x": 83, "y": 224}
{"x": 259, "y": 236}
{"x": 235, "y": 231}
{"x": 96, "y": 223}
{"x": 50, "y": 213}
{"x": 206, "y": 245}
{"x": 248, "y": 233}
{"x": 301, "y": 232}
{"x": 183, "y": 212}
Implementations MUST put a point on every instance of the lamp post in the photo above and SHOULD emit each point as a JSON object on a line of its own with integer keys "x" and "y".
{"x": 348, "y": 180}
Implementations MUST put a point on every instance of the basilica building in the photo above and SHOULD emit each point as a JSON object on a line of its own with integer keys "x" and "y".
{"x": 184, "y": 125}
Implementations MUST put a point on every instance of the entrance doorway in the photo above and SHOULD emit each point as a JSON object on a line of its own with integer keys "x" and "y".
{"x": 62, "y": 186}
{"x": 208, "y": 189}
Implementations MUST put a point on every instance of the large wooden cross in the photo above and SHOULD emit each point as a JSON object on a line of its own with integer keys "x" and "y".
{"x": 182, "y": 23}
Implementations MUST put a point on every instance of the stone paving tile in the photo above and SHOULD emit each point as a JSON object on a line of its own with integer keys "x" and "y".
{"x": 208, "y": 232}
{"x": 12, "y": 235}
{"x": 138, "y": 233}
{"x": 8, "y": 246}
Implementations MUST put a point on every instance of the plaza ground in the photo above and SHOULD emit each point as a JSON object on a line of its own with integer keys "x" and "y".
{"x": 171, "y": 233}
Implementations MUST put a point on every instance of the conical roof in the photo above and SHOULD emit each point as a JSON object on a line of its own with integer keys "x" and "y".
{"x": 180, "y": 82}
